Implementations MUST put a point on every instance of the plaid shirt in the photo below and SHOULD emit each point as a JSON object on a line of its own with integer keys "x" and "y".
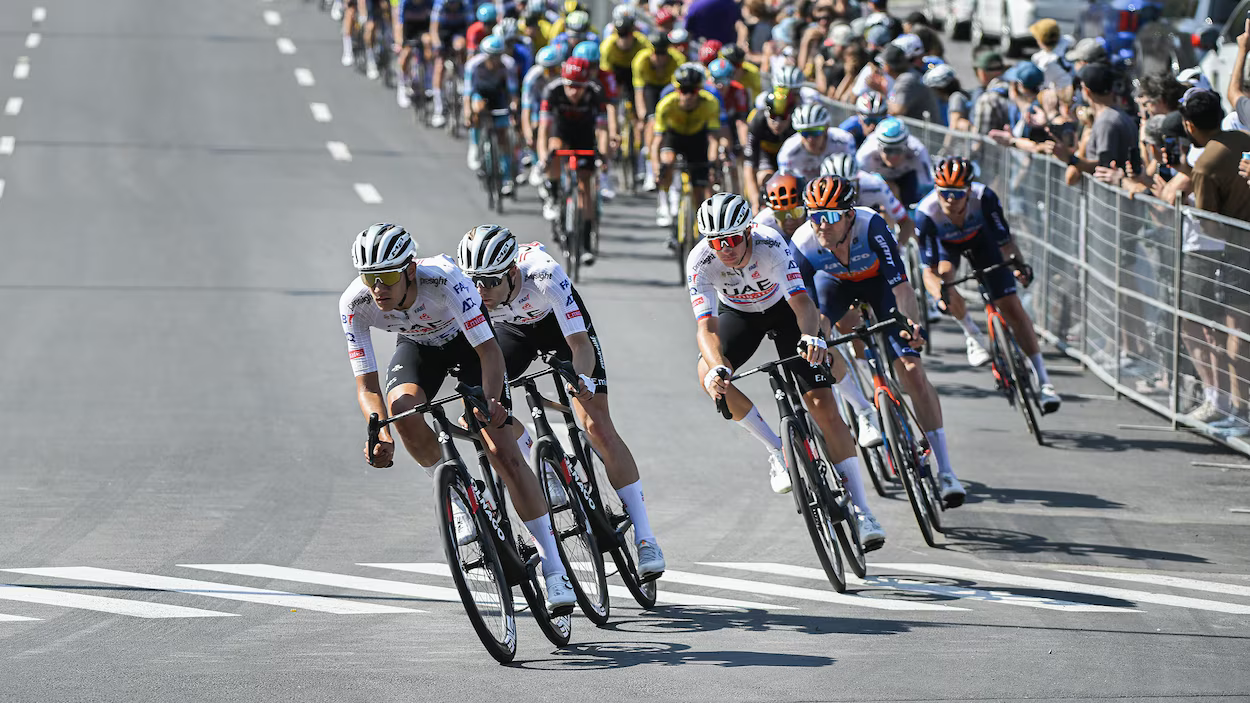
{"x": 992, "y": 109}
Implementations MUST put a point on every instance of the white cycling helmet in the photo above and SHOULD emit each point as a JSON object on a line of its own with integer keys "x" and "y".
{"x": 810, "y": 116}
{"x": 507, "y": 29}
{"x": 787, "y": 76}
{"x": 723, "y": 214}
{"x": 623, "y": 13}
{"x": 911, "y": 45}
{"x": 383, "y": 247}
{"x": 840, "y": 165}
{"x": 871, "y": 104}
{"x": 487, "y": 250}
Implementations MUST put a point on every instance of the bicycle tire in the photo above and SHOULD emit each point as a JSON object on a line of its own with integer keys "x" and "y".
{"x": 903, "y": 459}
{"x": 685, "y": 235}
{"x": 575, "y": 539}
{"x": 623, "y": 549}
{"x": 488, "y": 172}
{"x": 497, "y": 631}
{"x": 629, "y": 161}
{"x": 1021, "y": 383}
{"x": 810, "y": 503}
{"x": 572, "y": 225}
{"x": 847, "y": 532}
{"x": 559, "y": 629}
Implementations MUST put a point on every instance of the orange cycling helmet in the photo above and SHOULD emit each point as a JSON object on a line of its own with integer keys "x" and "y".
{"x": 829, "y": 193}
{"x": 783, "y": 192}
{"x": 953, "y": 172}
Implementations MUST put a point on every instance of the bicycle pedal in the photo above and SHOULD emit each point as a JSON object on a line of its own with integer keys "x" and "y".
{"x": 560, "y": 611}
{"x": 649, "y": 577}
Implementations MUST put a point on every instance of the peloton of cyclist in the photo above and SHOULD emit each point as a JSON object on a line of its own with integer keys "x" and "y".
{"x": 412, "y": 27}
{"x": 606, "y": 80}
{"x": 490, "y": 82}
{"x": 687, "y": 122}
{"x": 871, "y": 191}
{"x": 447, "y": 29}
{"x": 487, "y": 15}
{"x": 653, "y": 69}
{"x": 443, "y": 328}
{"x": 963, "y": 218}
{"x": 900, "y": 158}
{"x": 768, "y": 128}
{"x": 744, "y": 284}
{"x": 535, "y": 308}
{"x": 870, "y": 109}
{"x": 545, "y": 70}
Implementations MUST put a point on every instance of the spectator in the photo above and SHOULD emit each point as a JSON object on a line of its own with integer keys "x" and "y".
{"x": 1088, "y": 50}
{"x": 1031, "y": 129}
{"x": 987, "y": 67}
{"x": 1112, "y": 139}
{"x": 854, "y": 59}
{"x": 909, "y": 96}
{"x": 758, "y": 18}
{"x": 1237, "y": 95}
{"x": 713, "y": 19}
{"x": 955, "y": 106}
{"x": 1054, "y": 67}
{"x": 875, "y": 38}
{"x": 993, "y": 108}
{"x": 914, "y": 20}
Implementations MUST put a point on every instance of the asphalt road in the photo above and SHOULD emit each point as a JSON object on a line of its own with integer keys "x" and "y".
{"x": 178, "y": 430}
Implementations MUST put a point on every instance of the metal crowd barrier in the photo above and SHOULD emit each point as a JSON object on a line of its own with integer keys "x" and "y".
{"x": 1152, "y": 297}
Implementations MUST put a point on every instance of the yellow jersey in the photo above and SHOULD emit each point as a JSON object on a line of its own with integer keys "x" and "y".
{"x": 646, "y": 74}
{"x": 544, "y": 34}
{"x": 612, "y": 57}
{"x": 670, "y": 117}
{"x": 750, "y": 78}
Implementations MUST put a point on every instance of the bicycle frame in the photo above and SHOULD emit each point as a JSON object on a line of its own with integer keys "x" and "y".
{"x": 881, "y": 380}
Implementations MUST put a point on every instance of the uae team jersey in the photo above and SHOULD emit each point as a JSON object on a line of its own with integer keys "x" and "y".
{"x": 770, "y": 276}
{"x": 446, "y": 305}
{"x": 544, "y": 289}
{"x": 796, "y": 160}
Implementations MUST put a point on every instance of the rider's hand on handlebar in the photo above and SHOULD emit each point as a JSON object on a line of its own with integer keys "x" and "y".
{"x": 1024, "y": 274}
{"x": 814, "y": 349}
{"x": 383, "y": 454}
{"x": 914, "y": 335}
{"x": 585, "y": 389}
{"x": 497, "y": 415}
{"x": 716, "y": 382}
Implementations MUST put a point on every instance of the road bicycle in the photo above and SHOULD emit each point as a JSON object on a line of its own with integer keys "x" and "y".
{"x": 416, "y": 79}
{"x": 884, "y": 479}
{"x": 1013, "y": 372}
{"x": 627, "y": 154}
{"x": 453, "y": 107}
{"x": 493, "y": 174}
{"x": 486, "y": 568}
{"x": 819, "y": 495}
{"x": 684, "y": 229}
{"x": 576, "y": 228}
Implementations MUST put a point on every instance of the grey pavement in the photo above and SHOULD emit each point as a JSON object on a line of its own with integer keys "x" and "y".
{"x": 176, "y": 393}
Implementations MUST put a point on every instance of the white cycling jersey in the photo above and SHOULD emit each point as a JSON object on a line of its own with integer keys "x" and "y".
{"x": 446, "y": 304}
{"x": 872, "y": 191}
{"x": 770, "y": 276}
{"x": 507, "y": 74}
{"x": 544, "y": 287}
{"x": 794, "y": 159}
{"x": 767, "y": 217}
{"x": 916, "y": 159}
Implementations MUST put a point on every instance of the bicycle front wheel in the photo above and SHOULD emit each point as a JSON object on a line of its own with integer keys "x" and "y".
{"x": 835, "y": 494}
{"x": 622, "y": 544}
{"x": 1021, "y": 379}
{"x": 575, "y": 541}
{"x": 903, "y": 457}
{"x": 476, "y": 569}
{"x": 811, "y": 503}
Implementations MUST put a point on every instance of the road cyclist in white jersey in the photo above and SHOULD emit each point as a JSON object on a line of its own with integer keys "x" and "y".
{"x": 442, "y": 327}
{"x": 536, "y": 309}
{"x": 813, "y": 141}
{"x": 872, "y": 191}
{"x": 893, "y": 153}
{"x": 744, "y": 284}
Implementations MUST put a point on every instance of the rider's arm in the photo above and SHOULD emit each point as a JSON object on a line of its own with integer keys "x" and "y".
{"x": 491, "y": 357}
{"x": 369, "y": 395}
{"x": 996, "y": 227}
{"x": 892, "y": 269}
{"x": 930, "y": 254}
{"x": 544, "y": 127}
{"x": 703, "y": 302}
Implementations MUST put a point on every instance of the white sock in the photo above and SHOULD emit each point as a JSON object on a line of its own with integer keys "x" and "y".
{"x": 540, "y": 527}
{"x": 1211, "y": 395}
{"x": 759, "y": 429}
{"x": 969, "y": 326}
{"x": 849, "y": 470}
{"x": 937, "y": 441}
{"x": 1040, "y": 367}
{"x": 853, "y": 393}
{"x": 347, "y": 45}
{"x": 524, "y": 443}
{"x": 631, "y": 496}
{"x": 661, "y": 202}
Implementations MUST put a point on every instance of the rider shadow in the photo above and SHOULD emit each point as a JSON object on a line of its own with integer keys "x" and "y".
{"x": 678, "y": 619}
{"x": 582, "y": 656}
{"x": 636, "y": 282}
{"x": 982, "y": 493}
{"x": 992, "y": 540}
{"x": 1082, "y": 441}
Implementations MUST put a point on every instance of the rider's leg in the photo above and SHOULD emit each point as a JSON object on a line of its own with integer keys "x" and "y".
{"x": 839, "y": 444}
{"x": 1022, "y": 326}
{"x": 744, "y": 412}
{"x": 928, "y": 408}
{"x": 416, "y": 435}
{"x": 617, "y": 459}
{"x": 349, "y": 24}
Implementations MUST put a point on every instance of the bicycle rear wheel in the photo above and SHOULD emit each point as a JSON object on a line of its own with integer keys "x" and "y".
{"x": 685, "y": 233}
{"x": 490, "y": 173}
{"x": 811, "y": 503}
{"x": 622, "y": 545}
{"x": 903, "y": 457}
{"x": 1021, "y": 380}
{"x": 574, "y": 538}
{"x": 476, "y": 570}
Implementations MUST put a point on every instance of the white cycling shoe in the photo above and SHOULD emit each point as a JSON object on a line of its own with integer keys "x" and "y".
{"x": 871, "y": 534}
{"x": 778, "y": 475}
{"x": 401, "y": 98}
{"x": 1048, "y": 398}
{"x": 977, "y": 355}
{"x": 650, "y": 558}
{"x": 869, "y": 434}
{"x": 348, "y": 59}
{"x": 466, "y": 528}
{"x": 662, "y": 218}
{"x": 952, "y": 490}
{"x": 536, "y": 176}
{"x": 439, "y": 120}
{"x": 559, "y": 592}
{"x": 474, "y": 158}
{"x": 551, "y": 212}
{"x": 371, "y": 70}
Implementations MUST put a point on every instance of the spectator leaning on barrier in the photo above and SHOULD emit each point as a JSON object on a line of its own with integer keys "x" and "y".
{"x": 1112, "y": 139}
{"x": 987, "y": 66}
{"x": 1031, "y": 128}
{"x": 993, "y": 108}
{"x": 955, "y": 105}
{"x": 909, "y": 96}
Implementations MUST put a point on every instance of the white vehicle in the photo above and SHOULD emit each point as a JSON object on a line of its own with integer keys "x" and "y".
{"x": 1217, "y": 64}
{"x": 1005, "y": 23}
{"x": 953, "y": 16}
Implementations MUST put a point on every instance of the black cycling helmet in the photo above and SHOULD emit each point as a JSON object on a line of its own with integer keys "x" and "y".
{"x": 689, "y": 76}
{"x": 660, "y": 41}
{"x": 734, "y": 54}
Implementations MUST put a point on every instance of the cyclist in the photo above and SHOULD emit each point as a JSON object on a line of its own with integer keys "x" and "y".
{"x": 686, "y": 122}
{"x": 572, "y": 117}
{"x": 545, "y": 70}
{"x": 653, "y": 69}
{"x": 736, "y": 103}
{"x": 535, "y": 27}
{"x": 412, "y": 26}
{"x": 487, "y": 14}
{"x": 680, "y": 40}
{"x": 616, "y": 54}
{"x": 963, "y": 218}
{"x": 789, "y": 80}
{"x": 745, "y": 72}
{"x": 768, "y": 128}
{"x": 577, "y": 29}
{"x": 514, "y": 45}
{"x": 442, "y": 325}
{"x": 448, "y": 27}
{"x": 710, "y": 51}
{"x": 572, "y": 7}
{"x": 900, "y": 158}
{"x": 846, "y": 254}
{"x": 870, "y": 109}
{"x": 744, "y": 284}
{"x": 871, "y": 191}
{"x": 490, "y": 82}
{"x": 606, "y": 80}
{"x": 803, "y": 152}
{"x": 535, "y": 308}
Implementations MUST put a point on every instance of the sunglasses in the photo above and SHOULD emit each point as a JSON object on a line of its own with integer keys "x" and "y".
{"x": 794, "y": 213}
{"x": 894, "y": 150}
{"x": 575, "y": 85}
{"x": 952, "y": 193}
{"x": 487, "y": 281}
{"x": 386, "y": 278}
{"x": 727, "y": 242}
{"x": 688, "y": 91}
{"x": 826, "y": 217}
{"x": 810, "y": 133}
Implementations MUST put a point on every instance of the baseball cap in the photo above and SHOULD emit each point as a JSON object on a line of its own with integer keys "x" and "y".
{"x": 892, "y": 55}
{"x": 911, "y": 45}
{"x": 1194, "y": 77}
{"x": 1045, "y": 31}
{"x": 1172, "y": 125}
{"x": 990, "y": 61}
{"x": 877, "y": 36}
{"x": 1089, "y": 50}
{"x": 1097, "y": 77}
{"x": 1026, "y": 73}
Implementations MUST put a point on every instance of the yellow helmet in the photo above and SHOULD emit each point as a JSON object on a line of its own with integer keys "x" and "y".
{"x": 571, "y": 6}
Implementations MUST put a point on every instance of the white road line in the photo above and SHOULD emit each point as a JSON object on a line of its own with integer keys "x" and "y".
{"x": 368, "y": 193}
{"x": 1, "y": 187}
{"x": 304, "y": 77}
{"x": 898, "y": 584}
{"x": 22, "y": 69}
{"x": 320, "y": 112}
{"x": 272, "y": 18}
{"x": 33, "y": 39}
{"x": 16, "y": 618}
{"x": 6, "y": 145}
{"x": 285, "y": 46}
{"x": 38, "y": 15}
{"x": 662, "y": 596}
{"x": 339, "y": 151}
{"x": 772, "y": 589}
{"x": 13, "y": 106}
{"x": 212, "y": 589}
{"x": 1161, "y": 580}
{"x": 347, "y": 581}
{"x": 117, "y": 606}
{"x": 1068, "y": 586}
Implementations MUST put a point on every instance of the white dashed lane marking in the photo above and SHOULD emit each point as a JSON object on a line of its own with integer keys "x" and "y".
{"x": 272, "y": 18}
{"x": 116, "y": 606}
{"x": 38, "y": 15}
{"x": 285, "y": 46}
{"x": 1162, "y": 580}
{"x": 22, "y": 69}
{"x": 368, "y": 193}
{"x": 33, "y": 39}
{"x": 339, "y": 151}
{"x": 304, "y": 77}
{"x": 325, "y": 578}
{"x": 13, "y": 106}
{"x": 320, "y": 112}
{"x": 6, "y": 145}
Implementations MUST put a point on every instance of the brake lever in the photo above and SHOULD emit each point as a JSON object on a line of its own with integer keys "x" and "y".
{"x": 722, "y": 404}
{"x": 375, "y": 428}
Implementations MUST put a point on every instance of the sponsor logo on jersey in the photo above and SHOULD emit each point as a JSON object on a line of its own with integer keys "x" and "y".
{"x": 755, "y": 275}
{"x": 467, "y": 306}
{"x": 440, "y": 281}
{"x": 751, "y": 292}
{"x": 424, "y": 316}
{"x": 459, "y": 287}
{"x": 698, "y": 301}
{"x": 768, "y": 242}
{"x": 573, "y": 314}
{"x": 540, "y": 276}
{"x": 351, "y": 337}
{"x": 564, "y": 283}
{"x": 793, "y": 276}
{"x": 356, "y": 354}
{"x": 361, "y": 299}
{"x": 527, "y": 306}
{"x": 474, "y": 322}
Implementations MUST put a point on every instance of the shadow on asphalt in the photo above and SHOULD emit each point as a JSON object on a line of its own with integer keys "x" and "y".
{"x": 983, "y": 540}
{"x": 622, "y": 655}
{"x": 981, "y": 493}
{"x": 634, "y": 281}
{"x": 1081, "y": 441}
